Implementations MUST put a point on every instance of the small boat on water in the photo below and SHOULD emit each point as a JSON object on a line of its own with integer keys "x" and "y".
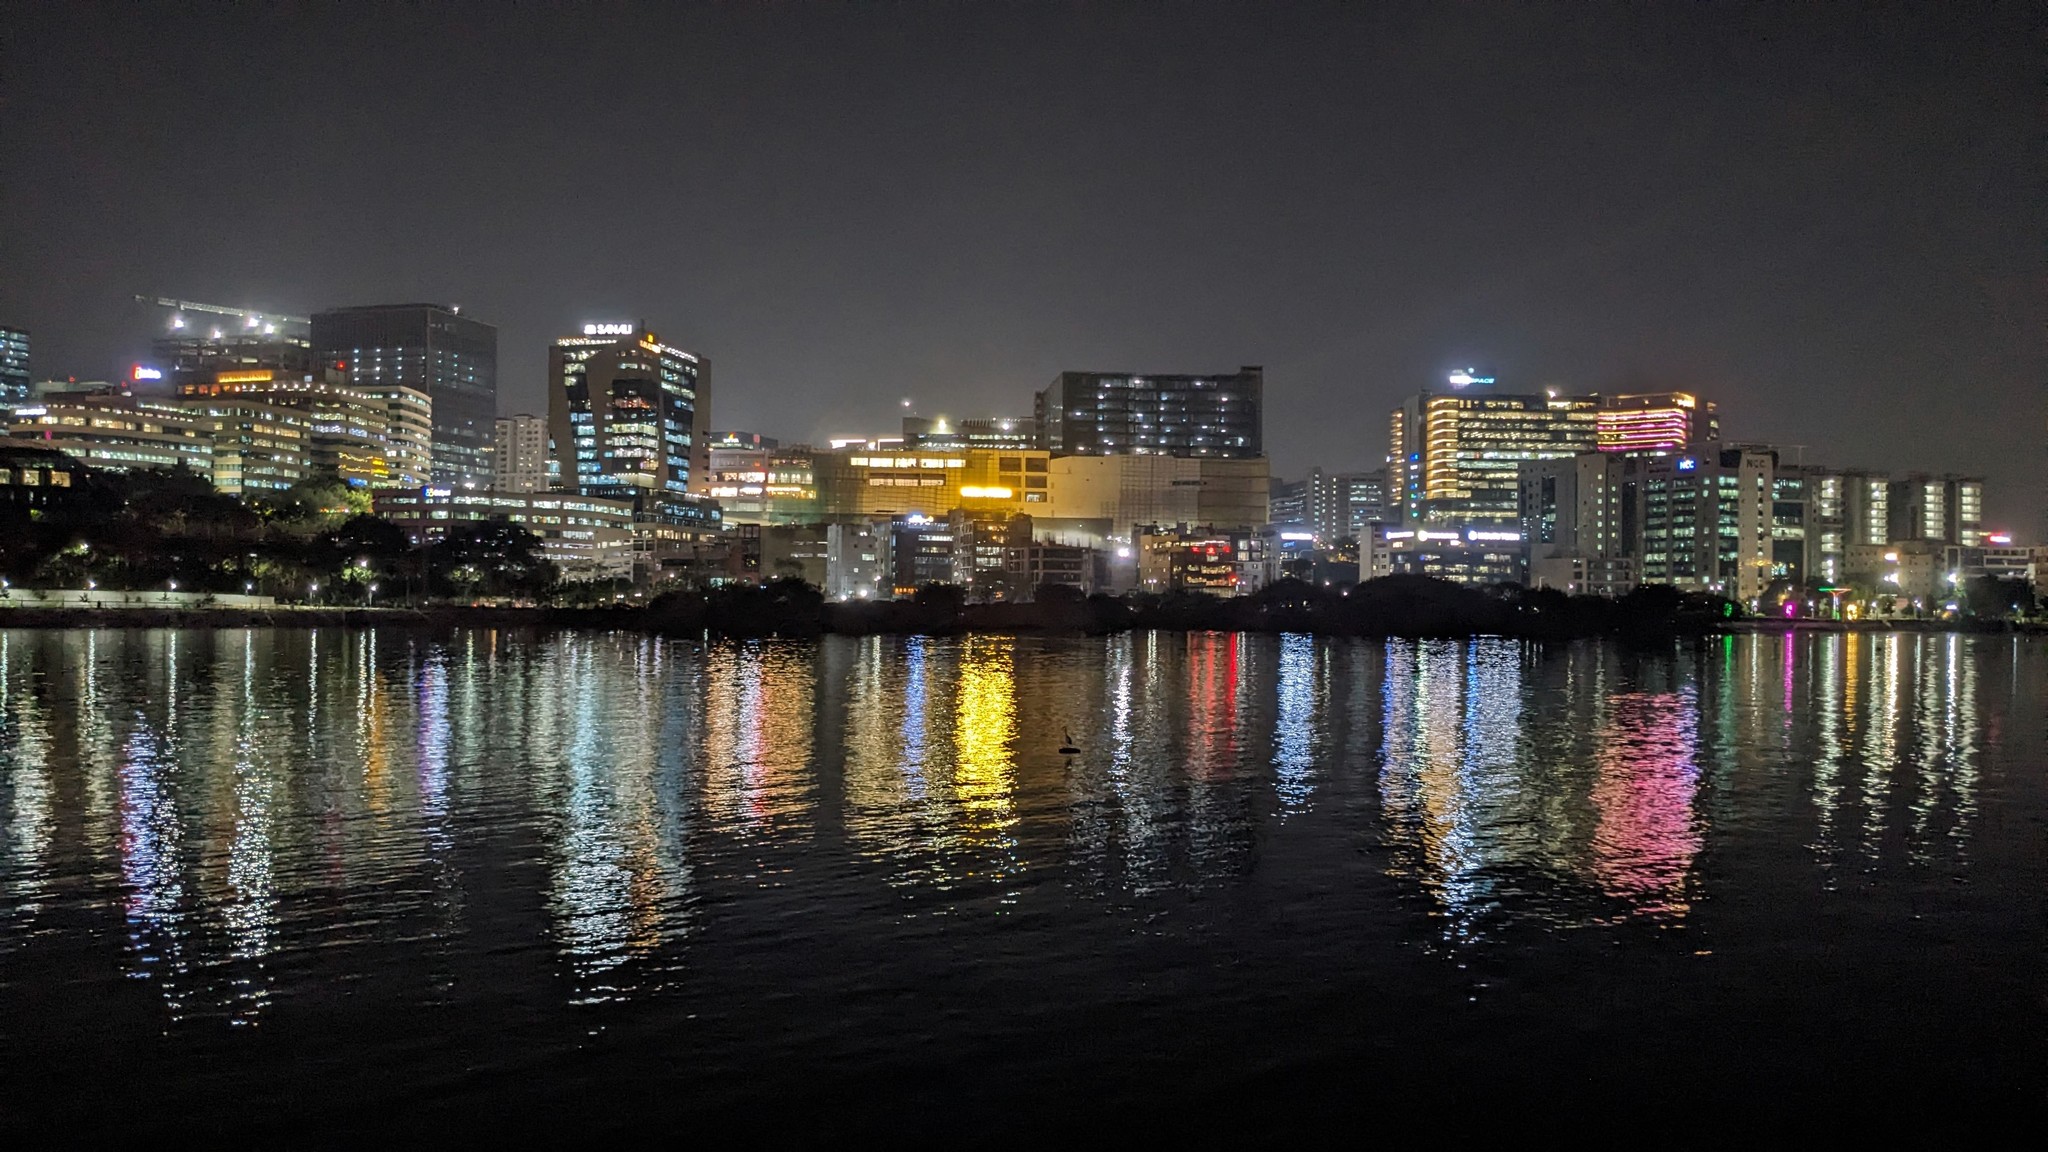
{"x": 1069, "y": 748}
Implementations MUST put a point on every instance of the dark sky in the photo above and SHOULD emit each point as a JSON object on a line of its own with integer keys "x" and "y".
{"x": 1828, "y": 218}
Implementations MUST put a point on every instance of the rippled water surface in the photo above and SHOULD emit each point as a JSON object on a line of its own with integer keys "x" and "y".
{"x": 314, "y": 881}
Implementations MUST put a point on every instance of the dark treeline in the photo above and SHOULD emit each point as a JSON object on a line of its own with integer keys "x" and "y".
{"x": 315, "y": 541}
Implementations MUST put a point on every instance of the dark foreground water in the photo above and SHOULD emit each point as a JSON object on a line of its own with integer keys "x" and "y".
{"x": 320, "y": 881}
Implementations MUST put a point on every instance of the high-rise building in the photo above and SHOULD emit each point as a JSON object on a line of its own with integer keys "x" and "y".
{"x": 1706, "y": 520}
{"x": 1127, "y": 414}
{"x": 1287, "y": 508}
{"x": 258, "y": 445}
{"x": 1656, "y": 422}
{"x": 408, "y": 432}
{"x": 451, "y": 357}
{"x": 622, "y": 413}
{"x": 1577, "y": 530}
{"x": 1365, "y": 501}
{"x": 343, "y": 430}
{"x": 519, "y": 448}
{"x": 1941, "y": 509}
{"x": 1724, "y": 518}
{"x": 1453, "y": 455}
{"x": 14, "y": 370}
{"x": 196, "y": 352}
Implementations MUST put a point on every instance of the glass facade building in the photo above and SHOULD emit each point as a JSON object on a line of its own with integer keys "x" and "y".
{"x": 1126, "y": 414}
{"x": 1454, "y": 456}
{"x": 434, "y": 349}
{"x": 14, "y": 377}
{"x": 624, "y": 420}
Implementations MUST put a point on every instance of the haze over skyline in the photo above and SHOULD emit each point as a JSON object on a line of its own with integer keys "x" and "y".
{"x": 1828, "y": 221}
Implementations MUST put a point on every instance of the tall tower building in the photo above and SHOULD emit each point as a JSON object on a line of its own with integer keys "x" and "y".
{"x": 14, "y": 377}
{"x": 1657, "y": 422}
{"x": 1453, "y": 454}
{"x": 200, "y": 341}
{"x": 521, "y": 448}
{"x": 435, "y": 349}
{"x": 1125, "y": 414}
{"x": 623, "y": 414}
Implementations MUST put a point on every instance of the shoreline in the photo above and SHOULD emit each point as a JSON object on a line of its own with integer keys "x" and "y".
{"x": 976, "y": 619}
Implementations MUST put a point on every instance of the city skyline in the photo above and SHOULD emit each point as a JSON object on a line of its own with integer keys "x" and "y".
{"x": 1830, "y": 232}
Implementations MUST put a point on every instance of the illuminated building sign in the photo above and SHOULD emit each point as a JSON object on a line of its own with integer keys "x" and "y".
{"x": 143, "y": 372}
{"x": 607, "y": 329}
{"x": 1688, "y": 464}
{"x": 1476, "y": 534}
{"x": 263, "y": 376}
{"x": 972, "y": 492}
{"x": 1461, "y": 379}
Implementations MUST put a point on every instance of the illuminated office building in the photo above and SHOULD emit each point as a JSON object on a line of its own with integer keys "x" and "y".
{"x": 757, "y": 480}
{"x": 519, "y": 450}
{"x": 1365, "y": 501}
{"x": 1706, "y": 520}
{"x": 623, "y": 412}
{"x": 1727, "y": 519}
{"x": 431, "y": 348}
{"x": 259, "y": 445}
{"x": 1186, "y": 560}
{"x": 1940, "y": 509}
{"x": 1331, "y": 506}
{"x": 347, "y": 431}
{"x": 1127, "y": 414}
{"x": 920, "y": 552}
{"x": 187, "y": 360}
{"x": 14, "y": 369}
{"x": 1656, "y": 422}
{"x": 1454, "y": 454}
{"x": 875, "y": 483}
{"x": 1475, "y": 556}
{"x": 117, "y": 432}
{"x": 587, "y": 538}
{"x": 408, "y": 432}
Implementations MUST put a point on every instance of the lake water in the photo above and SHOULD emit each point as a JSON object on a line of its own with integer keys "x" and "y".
{"x": 317, "y": 881}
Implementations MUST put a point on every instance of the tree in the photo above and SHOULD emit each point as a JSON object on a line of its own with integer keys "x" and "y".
{"x": 489, "y": 558}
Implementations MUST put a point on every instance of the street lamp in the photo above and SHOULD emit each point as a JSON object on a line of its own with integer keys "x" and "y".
{"x": 373, "y": 595}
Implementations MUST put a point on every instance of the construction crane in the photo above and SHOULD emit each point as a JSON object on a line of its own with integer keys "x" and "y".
{"x": 249, "y": 318}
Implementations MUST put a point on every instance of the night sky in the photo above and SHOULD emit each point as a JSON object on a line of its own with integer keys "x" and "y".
{"x": 1829, "y": 220}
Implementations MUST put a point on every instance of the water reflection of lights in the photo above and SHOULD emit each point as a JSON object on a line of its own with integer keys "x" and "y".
{"x": 1295, "y": 750}
{"x": 758, "y": 708}
{"x": 931, "y": 775}
{"x": 30, "y": 820}
{"x": 1647, "y": 835}
{"x": 251, "y": 912}
{"x": 231, "y": 821}
{"x": 621, "y": 879}
{"x": 984, "y": 728}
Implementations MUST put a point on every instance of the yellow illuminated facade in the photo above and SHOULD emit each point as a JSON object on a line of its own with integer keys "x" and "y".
{"x": 874, "y": 483}
{"x": 1457, "y": 454}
